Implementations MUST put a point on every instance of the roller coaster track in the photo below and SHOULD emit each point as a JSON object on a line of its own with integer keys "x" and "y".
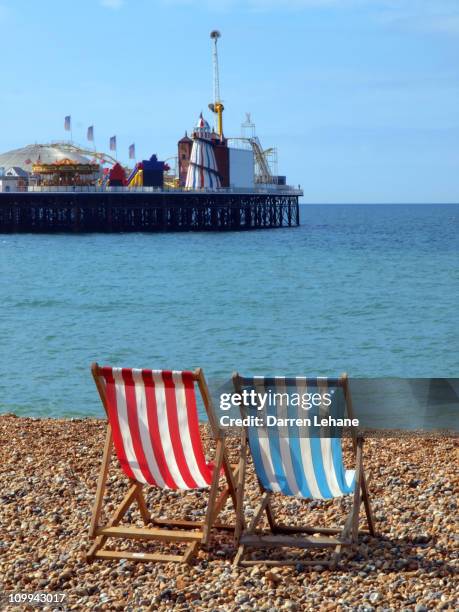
{"x": 73, "y": 148}
{"x": 264, "y": 174}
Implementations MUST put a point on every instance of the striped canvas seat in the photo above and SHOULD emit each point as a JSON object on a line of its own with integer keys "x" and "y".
{"x": 290, "y": 459}
{"x": 154, "y": 419}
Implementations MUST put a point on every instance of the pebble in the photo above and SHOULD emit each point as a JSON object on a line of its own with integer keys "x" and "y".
{"x": 273, "y": 577}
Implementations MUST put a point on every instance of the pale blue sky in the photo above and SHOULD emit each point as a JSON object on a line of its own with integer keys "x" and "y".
{"x": 361, "y": 97}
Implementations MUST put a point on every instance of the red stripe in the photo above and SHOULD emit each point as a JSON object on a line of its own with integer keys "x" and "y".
{"x": 112, "y": 410}
{"x": 193, "y": 425}
{"x": 172, "y": 417}
{"x": 153, "y": 426}
{"x": 133, "y": 420}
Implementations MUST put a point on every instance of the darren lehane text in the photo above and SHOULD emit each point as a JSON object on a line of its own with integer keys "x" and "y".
{"x": 271, "y": 420}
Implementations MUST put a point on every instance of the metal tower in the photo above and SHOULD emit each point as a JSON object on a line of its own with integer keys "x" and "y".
{"x": 217, "y": 106}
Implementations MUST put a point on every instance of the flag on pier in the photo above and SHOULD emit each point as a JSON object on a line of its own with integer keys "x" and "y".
{"x": 90, "y": 134}
{"x": 132, "y": 151}
{"x": 113, "y": 143}
{"x": 67, "y": 123}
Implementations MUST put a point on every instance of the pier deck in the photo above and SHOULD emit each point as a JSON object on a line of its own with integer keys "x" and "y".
{"x": 121, "y": 210}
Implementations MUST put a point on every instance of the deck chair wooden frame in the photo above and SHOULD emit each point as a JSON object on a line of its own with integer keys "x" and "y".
{"x": 307, "y": 536}
{"x": 192, "y": 533}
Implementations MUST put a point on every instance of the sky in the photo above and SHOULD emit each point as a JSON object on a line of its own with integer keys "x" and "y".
{"x": 360, "y": 97}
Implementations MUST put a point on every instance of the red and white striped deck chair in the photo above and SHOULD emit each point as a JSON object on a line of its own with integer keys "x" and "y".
{"x": 153, "y": 425}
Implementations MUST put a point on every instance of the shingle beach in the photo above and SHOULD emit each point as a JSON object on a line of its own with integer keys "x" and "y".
{"x": 48, "y": 473}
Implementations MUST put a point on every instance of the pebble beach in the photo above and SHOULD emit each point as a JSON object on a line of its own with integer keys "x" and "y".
{"x": 48, "y": 473}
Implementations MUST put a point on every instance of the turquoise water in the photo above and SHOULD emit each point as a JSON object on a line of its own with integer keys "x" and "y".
{"x": 373, "y": 290}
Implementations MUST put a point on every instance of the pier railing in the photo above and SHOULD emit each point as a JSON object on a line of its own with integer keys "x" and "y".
{"x": 269, "y": 189}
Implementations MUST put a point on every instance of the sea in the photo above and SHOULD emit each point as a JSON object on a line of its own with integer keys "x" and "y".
{"x": 372, "y": 290}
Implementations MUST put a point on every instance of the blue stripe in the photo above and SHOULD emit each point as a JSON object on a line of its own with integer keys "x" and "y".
{"x": 295, "y": 451}
{"x": 274, "y": 446}
{"x": 318, "y": 465}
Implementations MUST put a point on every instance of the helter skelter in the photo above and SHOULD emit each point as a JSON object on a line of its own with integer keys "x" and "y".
{"x": 202, "y": 170}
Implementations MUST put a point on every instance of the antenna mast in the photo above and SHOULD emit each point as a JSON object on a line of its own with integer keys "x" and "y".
{"x": 217, "y": 106}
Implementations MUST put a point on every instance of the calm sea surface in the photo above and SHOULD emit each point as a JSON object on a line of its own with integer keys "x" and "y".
{"x": 373, "y": 290}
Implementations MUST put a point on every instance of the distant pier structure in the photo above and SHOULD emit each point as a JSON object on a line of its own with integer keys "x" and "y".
{"x": 120, "y": 209}
{"x": 219, "y": 183}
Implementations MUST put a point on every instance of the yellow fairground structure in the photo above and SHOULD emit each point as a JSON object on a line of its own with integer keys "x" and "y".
{"x": 137, "y": 179}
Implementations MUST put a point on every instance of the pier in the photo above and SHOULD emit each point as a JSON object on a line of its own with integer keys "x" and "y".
{"x": 120, "y": 209}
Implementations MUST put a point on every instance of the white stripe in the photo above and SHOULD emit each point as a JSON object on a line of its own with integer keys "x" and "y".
{"x": 263, "y": 443}
{"x": 326, "y": 446}
{"x": 265, "y": 453}
{"x": 164, "y": 432}
{"x": 284, "y": 440}
{"x": 305, "y": 445}
{"x": 124, "y": 425}
{"x": 349, "y": 476}
{"x": 182, "y": 414}
{"x": 329, "y": 468}
{"x": 144, "y": 429}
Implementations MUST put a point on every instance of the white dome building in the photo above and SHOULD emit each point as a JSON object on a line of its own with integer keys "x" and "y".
{"x": 202, "y": 169}
{"x": 26, "y": 157}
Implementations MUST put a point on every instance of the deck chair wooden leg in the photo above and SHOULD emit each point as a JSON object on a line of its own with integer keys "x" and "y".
{"x": 101, "y": 482}
{"x": 357, "y": 491}
{"x": 259, "y": 512}
{"x": 336, "y": 556}
{"x": 344, "y": 535}
{"x": 229, "y": 491}
{"x": 368, "y": 510}
{"x": 213, "y": 490}
{"x": 270, "y": 515}
{"x": 269, "y": 511}
{"x": 239, "y": 555}
{"x": 142, "y": 505}
{"x": 220, "y": 461}
{"x": 115, "y": 519}
{"x": 262, "y": 507}
{"x": 230, "y": 478}
{"x": 240, "y": 489}
{"x": 347, "y": 529}
{"x": 190, "y": 552}
{"x": 220, "y": 503}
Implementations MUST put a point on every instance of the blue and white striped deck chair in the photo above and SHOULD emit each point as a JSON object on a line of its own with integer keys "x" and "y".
{"x": 293, "y": 459}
